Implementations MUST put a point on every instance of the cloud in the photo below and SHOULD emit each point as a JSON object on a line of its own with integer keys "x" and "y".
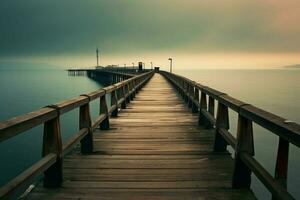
{"x": 73, "y": 27}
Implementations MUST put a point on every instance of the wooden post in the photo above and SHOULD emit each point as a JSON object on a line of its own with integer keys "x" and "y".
{"x": 186, "y": 92}
{"x": 104, "y": 125}
{"x": 281, "y": 169}
{"x": 181, "y": 88}
{"x": 195, "y": 108}
{"x": 131, "y": 90}
{"x": 191, "y": 95}
{"x": 123, "y": 91}
{"x": 114, "y": 101}
{"x": 211, "y": 106}
{"x": 52, "y": 143}
{"x": 203, "y": 106}
{"x": 134, "y": 89}
{"x": 211, "y": 110}
{"x": 127, "y": 92}
{"x": 222, "y": 121}
{"x": 242, "y": 173}
{"x": 85, "y": 121}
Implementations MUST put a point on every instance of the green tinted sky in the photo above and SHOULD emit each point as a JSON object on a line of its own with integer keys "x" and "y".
{"x": 130, "y": 30}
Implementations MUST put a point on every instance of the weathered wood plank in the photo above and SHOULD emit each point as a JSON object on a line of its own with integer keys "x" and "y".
{"x": 153, "y": 150}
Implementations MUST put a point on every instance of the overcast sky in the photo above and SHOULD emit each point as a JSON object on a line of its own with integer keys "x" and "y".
{"x": 130, "y": 30}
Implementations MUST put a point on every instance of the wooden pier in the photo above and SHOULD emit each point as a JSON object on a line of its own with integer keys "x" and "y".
{"x": 152, "y": 143}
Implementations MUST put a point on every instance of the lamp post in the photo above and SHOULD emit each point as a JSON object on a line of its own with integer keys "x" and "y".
{"x": 171, "y": 63}
{"x": 133, "y": 65}
{"x": 97, "y": 55}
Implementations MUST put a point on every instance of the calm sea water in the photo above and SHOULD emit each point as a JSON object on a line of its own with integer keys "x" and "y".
{"x": 23, "y": 91}
{"x": 276, "y": 91}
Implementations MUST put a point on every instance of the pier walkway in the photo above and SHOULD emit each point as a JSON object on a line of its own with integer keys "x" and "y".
{"x": 153, "y": 150}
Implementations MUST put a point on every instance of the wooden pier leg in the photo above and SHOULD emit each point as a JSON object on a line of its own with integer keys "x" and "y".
{"x": 52, "y": 143}
{"x": 104, "y": 125}
{"x": 86, "y": 122}
{"x": 222, "y": 121}
{"x": 242, "y": 173}
{"x": 114, "y": 101}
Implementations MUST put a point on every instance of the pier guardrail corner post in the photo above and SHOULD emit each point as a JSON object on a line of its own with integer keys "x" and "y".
{"x": 85, "y": 121}
{"x": 52, "y": 143}
{"x": 104, "y": 125}
{"x": 242, "y": 173}
{"x": 222, "y": 121}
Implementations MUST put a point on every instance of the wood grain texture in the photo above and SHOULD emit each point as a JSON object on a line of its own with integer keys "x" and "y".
{"x": 153, "y": 150}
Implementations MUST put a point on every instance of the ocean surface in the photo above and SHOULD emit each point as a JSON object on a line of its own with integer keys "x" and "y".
{"x": 274, "y": 90}
{"x": 27, "y": 89}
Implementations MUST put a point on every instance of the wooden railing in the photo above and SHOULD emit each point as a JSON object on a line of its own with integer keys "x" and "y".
{"x": 196, "y": 96}
{"x": 53, "y": 150}
{"x": 125, "y": 74}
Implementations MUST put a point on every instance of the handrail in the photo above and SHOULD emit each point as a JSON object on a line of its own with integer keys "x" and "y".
{"x": 196, "y": 95}
{"x": 53, "y": 149}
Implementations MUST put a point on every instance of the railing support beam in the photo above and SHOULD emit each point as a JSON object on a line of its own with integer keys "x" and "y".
{"x": 114, "y": 102}
{"x": 203, "y": 121}
{"x": 104, "y": 125}
{"x": 222, "y": 121}
{"x": 86, "y": 122}
{"x": 281, "y": 169}
{"x": 242, "y": 173}
{"x": 195, "y": 108}
{"x": 52, "y": 143}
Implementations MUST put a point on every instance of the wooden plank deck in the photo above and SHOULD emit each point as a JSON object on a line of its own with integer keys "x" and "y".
{"x": 153, "y": 150}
